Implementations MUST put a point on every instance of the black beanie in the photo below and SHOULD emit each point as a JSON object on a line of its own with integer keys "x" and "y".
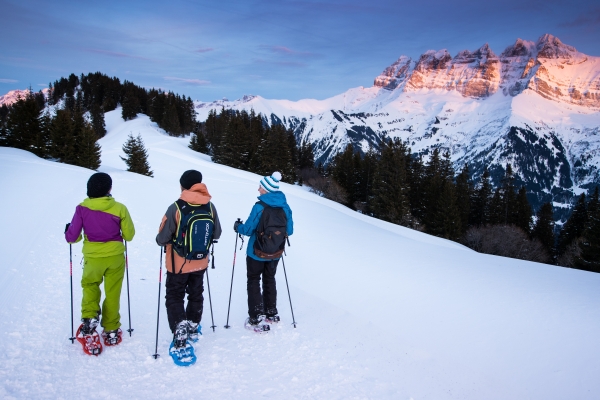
{"x": 190, "y": 178}
{"x": 99, "y": 185}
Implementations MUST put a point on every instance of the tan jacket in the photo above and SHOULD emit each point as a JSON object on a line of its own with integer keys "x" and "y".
{"x": 196, "y": 195}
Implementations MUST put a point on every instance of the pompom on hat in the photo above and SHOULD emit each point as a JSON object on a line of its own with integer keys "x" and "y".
{"x": 271, "y": 183}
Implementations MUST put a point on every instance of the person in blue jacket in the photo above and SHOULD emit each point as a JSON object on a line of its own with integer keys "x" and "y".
{"x": 262, "y": 308}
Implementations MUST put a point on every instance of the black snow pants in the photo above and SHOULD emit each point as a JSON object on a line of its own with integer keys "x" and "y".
{"x": 265, "y": 303}
{"x": 177, "y": 285}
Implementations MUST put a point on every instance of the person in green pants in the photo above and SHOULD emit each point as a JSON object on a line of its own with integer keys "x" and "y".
{"x": 105, "y": 224}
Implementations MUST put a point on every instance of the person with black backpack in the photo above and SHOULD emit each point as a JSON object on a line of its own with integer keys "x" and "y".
{"x": 269, "y": 225}
{"x": 187, "y": 230}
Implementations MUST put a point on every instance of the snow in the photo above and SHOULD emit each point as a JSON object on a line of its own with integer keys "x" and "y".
{"x": 382, "y": 311}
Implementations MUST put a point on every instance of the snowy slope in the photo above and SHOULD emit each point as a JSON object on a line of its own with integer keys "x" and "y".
{"x": 382, "y": 311}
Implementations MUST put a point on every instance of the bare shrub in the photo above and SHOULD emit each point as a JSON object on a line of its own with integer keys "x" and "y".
{"x": 506, "y": 241}
{"x": 324, "y": 187}
{"x": 571, "y": 253}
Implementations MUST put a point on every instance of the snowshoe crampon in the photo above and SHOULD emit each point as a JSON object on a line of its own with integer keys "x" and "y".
{"x": 182, "y": 356}
{"x": 90, "y": 342}
{"x": 112, "y": 338}
{"x": 260, "y": 327}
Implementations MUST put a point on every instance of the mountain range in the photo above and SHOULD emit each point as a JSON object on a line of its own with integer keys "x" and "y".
{"x": 535, "y": 106}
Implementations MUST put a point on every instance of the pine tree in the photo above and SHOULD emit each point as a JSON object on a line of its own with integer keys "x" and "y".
{"x": 464, "y": 192}
{"x": 130, "y": 104}
{"x": 88, "y": 155}
{"x": 390, "y": 186}
{"x": 497, "y": 208}
{"x": 170, "y": 119}
{"x": 137, "y": 156}
{"x": 508, "y": 197}
{"x": 61, "y": 134}
{"x": 523, "y": 212}
{"x": 589, "y": 259}
{"x": 346, "y": 170}
{"x": 573, "y": 228}
{"x": 22, "y": 128}
{"x": 198, "y": 140}
{"x": 543, "y": 230}
{"x": 98, "y": 121}
{"x": 480, "y": 212}
{"x": 416, "y": 181}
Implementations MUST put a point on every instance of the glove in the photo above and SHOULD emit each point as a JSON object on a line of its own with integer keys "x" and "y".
{"x": 236, "y": 224}
{"x": 67, "y": 227}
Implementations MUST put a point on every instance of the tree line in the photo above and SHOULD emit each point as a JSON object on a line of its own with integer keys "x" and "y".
{"x": 65, "y": 124}
{"x": 245, "y": 141}
{"x": 397, "y": 186}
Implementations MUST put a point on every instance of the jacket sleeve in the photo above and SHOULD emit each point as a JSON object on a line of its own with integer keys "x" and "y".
{"x": 290, "y": 221}
{"x": 127, "y": 228}
{"x": 218, "y": 230}
{"x": 249, "y": 227}
{"x": 73, "y": 234}
{"x": 168, "y": 226}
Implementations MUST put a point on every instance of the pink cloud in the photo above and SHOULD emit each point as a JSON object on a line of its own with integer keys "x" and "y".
{"x": 196, "y": 82}
{"x": 204, "y": 50}
{"x": 115, "y": 54}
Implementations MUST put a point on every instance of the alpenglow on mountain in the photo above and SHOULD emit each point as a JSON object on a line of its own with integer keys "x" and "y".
{"x": 535, "y": 106}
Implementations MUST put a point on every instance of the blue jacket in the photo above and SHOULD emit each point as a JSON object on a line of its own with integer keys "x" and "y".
{"x": 273, "y": 199}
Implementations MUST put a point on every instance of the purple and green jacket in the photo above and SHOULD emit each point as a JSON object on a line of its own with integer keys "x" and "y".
{"x": 105, "y": 224}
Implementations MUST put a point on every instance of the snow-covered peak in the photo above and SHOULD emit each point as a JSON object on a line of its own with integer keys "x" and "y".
{"x": 521, "y": 48}
{"x": 14, "y": 95}
{"x": 549, "y": 46}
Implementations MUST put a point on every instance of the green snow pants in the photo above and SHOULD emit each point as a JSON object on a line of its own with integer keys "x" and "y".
{"x": 111, "y": 269}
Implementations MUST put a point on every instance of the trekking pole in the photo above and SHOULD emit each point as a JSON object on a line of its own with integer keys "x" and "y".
{"x": 232, "y": 270}
{"x": 210, "y": 302}
{"x": 72, "y": 338}
{"x": 128, "y": 304}
{"x": 156, "y": 355}
{"x": 289, "y": 296}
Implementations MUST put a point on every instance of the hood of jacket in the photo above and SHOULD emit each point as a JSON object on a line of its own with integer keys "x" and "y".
{"x": 99, "y": 203}
{"x": 273, "y": 199}
{"x": 197, "y": 194}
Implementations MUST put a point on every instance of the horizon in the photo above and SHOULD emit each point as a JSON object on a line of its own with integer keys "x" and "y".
{"x": 291, "y": 50}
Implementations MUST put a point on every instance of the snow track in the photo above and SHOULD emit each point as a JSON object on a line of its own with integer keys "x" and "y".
{"x": 382, "y": 311}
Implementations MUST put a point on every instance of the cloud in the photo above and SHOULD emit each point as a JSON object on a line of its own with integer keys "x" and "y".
{"x": 292, "y": 64}
{"x": 115, "y": 54}
{"x": 8, "y": 81}
{"x": 203, "y": 50}
{"x": 589, "y": 19}
{"x": 194, "y": 82}
{"x": 286, "y": 51}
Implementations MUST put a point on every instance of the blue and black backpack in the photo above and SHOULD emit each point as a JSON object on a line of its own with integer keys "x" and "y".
{"x": 194, "y": 230}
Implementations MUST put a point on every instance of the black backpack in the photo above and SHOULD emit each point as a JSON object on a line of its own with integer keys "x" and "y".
{"x": 194, "y": 230}
{"x": 271, "y": 232}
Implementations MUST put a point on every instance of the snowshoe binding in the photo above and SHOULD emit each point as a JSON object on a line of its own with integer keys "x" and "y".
{"x": 112, "y": 338}
{"x": 88, "y": 337}
{"x": 257, "y": 324}
{"x": 273, "y": 319}
{"x": 194, "y": 331}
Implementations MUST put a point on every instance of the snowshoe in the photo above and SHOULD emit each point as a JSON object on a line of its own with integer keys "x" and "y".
{"x": 257, "y": 325}
{"x": 112, "y": 338}
{"x": 89, "y": 339}
{"x": 183, "y": 356}
{"x": 272, "y": 319}
{"x": 194, "y": 331}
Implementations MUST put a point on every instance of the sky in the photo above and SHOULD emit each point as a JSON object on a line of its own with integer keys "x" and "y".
{"x": 277, "y": 49}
